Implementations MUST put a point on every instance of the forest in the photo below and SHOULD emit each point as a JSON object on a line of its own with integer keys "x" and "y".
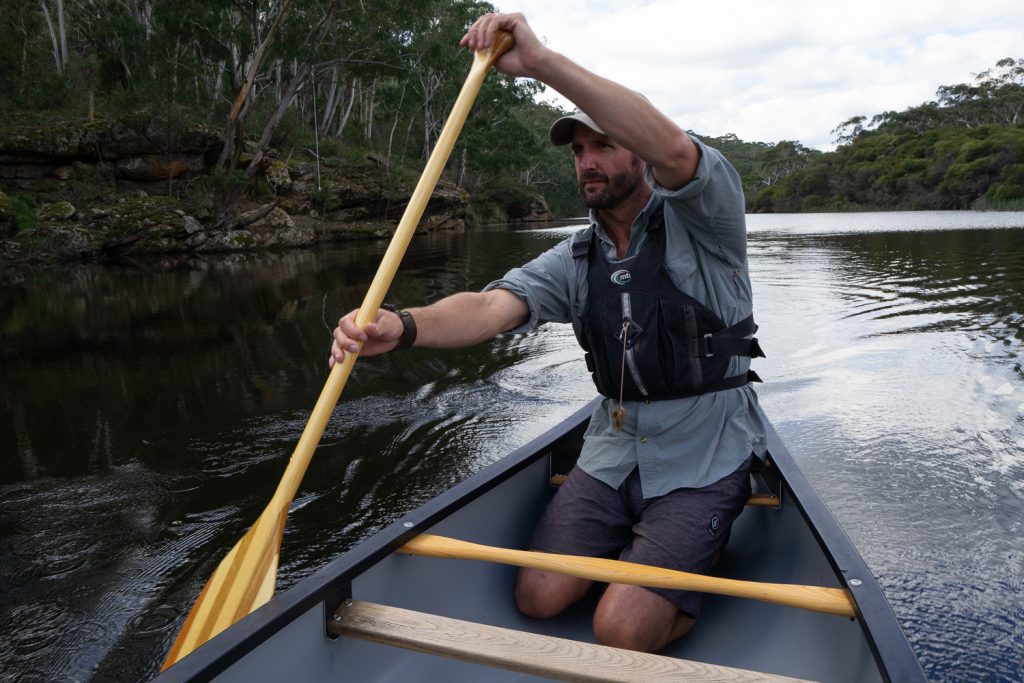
{"x": 328, "y": 80}
{"x": 964, "y": 150}
{"x": 341, "y": 82}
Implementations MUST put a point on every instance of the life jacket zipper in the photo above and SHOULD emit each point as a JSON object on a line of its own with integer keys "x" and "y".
{"x": 634, "y": 371}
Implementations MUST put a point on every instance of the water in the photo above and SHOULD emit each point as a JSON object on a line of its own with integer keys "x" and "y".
{"x": 147, "y": 412}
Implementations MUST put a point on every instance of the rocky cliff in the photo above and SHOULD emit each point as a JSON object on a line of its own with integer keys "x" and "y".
{"x": 137, "y": 185}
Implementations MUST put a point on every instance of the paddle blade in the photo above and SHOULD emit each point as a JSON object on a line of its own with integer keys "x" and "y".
{"x": 243, "y": 581}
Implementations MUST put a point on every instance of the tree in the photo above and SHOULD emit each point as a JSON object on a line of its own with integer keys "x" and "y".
{"x": 849, "y": 130}
{"x": 58, "y": 37}
{"x": 265, "y": 27}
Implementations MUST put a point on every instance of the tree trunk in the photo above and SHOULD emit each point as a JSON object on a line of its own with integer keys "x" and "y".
{"x": 431, "y": 83}
{"x": 219, "y": 80}
{"x": 147, "y": 18}
{"x": 333, "y": 96}
{"x": 462, "y": 167}
{"x": 277, "y": 79}
{"x": 348, "y": 108}
{"x": 391, "y": 136}
{"x": 368, "y": 107}
{"x": 427, "y": 117}
{"x": 298, "y": 80}
{"x": 63, "y": 33}
{"x": 53, "y": 37}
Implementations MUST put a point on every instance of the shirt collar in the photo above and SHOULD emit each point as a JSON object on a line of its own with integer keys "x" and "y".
{"x": 641, "y": 224}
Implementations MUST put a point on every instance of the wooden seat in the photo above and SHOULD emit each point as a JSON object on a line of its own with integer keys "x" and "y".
{"x": 529, "y": 653}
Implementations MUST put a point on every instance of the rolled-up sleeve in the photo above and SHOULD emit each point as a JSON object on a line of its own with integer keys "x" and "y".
{"x": 544, "y": 285}
{"x": 711, "y": 206}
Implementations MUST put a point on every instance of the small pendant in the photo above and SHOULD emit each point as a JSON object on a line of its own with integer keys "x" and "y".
{"x": 619, "y": 416}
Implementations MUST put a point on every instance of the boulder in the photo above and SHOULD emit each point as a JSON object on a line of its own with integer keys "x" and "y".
{"x": 278, "y": 176}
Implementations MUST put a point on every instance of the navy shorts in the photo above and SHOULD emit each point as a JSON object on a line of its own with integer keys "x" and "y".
{"x": 682, "y": 530}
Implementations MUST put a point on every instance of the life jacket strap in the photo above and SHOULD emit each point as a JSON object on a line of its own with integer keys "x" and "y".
{"x": 733, "y": 382}
{"x": 732, "y": 341}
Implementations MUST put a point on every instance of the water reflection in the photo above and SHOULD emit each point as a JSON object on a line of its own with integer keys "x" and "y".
{"x": 146, "y": 416}
{"x": 899, "y": 385}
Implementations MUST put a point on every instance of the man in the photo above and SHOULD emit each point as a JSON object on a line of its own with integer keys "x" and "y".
{"x": 658, "y": 294}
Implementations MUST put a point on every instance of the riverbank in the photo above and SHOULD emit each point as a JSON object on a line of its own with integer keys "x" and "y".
{"x": 105, "y": 190}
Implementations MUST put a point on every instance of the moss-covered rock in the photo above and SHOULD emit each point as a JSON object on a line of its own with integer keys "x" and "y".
{"x": 278, "y": 176}
{"x": 58, "y": 211}
{"x": 141, "y": 225}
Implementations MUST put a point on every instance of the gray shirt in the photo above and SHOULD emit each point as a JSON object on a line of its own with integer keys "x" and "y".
{"x": 687, "y": 442}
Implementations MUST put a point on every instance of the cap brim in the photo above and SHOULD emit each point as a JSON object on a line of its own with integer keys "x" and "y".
{"x": 562, "y": 130}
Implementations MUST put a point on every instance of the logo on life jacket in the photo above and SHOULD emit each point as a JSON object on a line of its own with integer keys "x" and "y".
{"x": 621, "y": 277}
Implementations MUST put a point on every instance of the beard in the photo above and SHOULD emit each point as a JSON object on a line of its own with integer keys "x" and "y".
{"x": 616, "y": 187}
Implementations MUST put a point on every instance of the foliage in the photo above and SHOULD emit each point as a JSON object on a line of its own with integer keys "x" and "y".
{"x": 964, "y": 150}
{"x": 375, "y": 77}
{"x": 337, "y": 81}
{"x": 18, "y": 212}
{"x": 762, "y": 165}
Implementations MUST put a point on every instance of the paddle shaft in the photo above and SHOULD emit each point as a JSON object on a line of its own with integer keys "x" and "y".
{"x": 482, "y": 62}
{"x": 245, "y": 578}
{"x": 814, "y": 598}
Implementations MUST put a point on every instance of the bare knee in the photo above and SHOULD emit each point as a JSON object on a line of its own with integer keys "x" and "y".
{"x": 543, "y": 594}
{"x": 635, "y": 619}
{"x": 624, "y": 633}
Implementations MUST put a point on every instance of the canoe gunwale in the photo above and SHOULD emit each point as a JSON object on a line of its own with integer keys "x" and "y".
{"x": 331, "y": 585}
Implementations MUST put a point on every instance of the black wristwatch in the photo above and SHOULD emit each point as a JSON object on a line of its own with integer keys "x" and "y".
{"x": 408, "y": 326}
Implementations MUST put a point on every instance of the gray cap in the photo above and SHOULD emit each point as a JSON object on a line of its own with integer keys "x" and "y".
{"x": 562, "y": 129}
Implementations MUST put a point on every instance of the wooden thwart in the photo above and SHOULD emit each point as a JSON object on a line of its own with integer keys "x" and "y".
{"x": 529, "y": 653}
{"x": 815, "y": 598}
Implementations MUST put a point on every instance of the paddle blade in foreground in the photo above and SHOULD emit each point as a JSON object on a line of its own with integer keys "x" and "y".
{"x": 243, "y": 581}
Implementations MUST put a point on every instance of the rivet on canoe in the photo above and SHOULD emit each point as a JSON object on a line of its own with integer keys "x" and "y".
{"x": 408, "y": 525}
{"x": 855, "y": 582}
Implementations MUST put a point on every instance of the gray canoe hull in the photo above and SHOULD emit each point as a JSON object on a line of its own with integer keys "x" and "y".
{"x": 798, "y": 543}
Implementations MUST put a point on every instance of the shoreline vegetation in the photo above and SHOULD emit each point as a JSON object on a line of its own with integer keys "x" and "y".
{"x": 195, "y": 127}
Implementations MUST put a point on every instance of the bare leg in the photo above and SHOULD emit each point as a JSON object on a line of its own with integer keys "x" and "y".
{"x": 633, "y": 618}
{"x": 544, "y": 594}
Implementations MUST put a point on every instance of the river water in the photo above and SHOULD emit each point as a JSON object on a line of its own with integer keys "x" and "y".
{"x": 147, "y": 412}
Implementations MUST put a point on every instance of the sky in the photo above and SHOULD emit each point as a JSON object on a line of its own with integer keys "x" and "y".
{"x": 770, "y": 70}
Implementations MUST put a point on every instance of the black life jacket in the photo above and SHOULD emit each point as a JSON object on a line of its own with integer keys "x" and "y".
{"x": 674, "y": 345}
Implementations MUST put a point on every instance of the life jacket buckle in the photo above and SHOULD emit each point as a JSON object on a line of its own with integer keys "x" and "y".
{"x": 705, "y": 346}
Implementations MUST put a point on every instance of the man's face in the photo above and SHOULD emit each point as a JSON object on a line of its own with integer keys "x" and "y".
{"x": 607, "y": 172}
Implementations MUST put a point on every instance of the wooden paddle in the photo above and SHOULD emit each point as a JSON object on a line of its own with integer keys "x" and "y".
{"x": 814, "y": 598}
{"x": 245, "y": 578}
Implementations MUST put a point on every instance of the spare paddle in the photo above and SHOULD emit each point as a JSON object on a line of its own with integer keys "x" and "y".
{"x": 245, "y": 578}
{"x": 814, "y": 598}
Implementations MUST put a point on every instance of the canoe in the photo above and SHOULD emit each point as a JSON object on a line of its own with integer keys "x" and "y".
{"x": 380, "y": 613}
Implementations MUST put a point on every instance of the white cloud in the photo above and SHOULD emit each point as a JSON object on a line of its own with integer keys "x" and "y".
{"x": 784, "y": 70}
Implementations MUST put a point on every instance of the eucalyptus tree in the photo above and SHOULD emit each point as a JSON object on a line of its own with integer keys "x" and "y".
{"x": 57, "y": 28}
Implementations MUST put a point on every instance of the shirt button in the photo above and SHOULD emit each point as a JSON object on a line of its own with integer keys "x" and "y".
{"x": 643, "y": 439}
